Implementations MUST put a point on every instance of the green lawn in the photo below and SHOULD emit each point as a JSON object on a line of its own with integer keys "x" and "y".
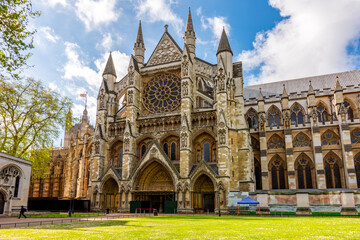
{"x": 187, "y": 227}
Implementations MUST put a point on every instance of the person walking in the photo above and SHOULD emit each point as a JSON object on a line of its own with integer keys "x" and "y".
{"x": 22, "y": 212}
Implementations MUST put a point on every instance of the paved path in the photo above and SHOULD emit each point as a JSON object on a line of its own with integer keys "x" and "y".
{"x": 14, "y": 222}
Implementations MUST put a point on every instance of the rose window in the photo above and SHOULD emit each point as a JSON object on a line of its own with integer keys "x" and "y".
{"x": 162, "y": 93}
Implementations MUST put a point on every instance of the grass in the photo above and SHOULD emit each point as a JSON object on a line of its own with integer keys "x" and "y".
{"x": 64, "y": 215}
{"x": 197, "y": 227}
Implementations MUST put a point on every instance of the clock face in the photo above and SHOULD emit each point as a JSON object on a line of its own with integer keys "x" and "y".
{"x": 162, "y": 93}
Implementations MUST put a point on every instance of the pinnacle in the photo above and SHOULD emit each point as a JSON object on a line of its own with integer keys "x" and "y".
{"x": 139, "y": 37}
{"x": 260, "y": 98}
{"x": 284, "y": 95}
{"x": 337, "y": 85}
{"x": 189, "y": 24}
{"x": 224, "y": 44}
{"x": 109, "y": 68}
{"x": 311, "y": 90}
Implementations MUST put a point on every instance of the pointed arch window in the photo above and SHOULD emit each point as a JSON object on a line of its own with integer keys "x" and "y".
{"x": 274, "y": 117}
{"x": 333, "y": 171}
{"x": 304, "y": 171}
{"x": 121, "y": 158}
{"x": 173, "y": 151}
{"x": 349, "y": 111}
{"x": 297, "y": 114}
{"x": 143, "y": 150}
{"x": 275, "y": 142}
{"x": 17, "y": 185}
{"x": 207, "y": 152}
{"x": 257, "y": 167}
{"x": 355, "y": 136}
{"x": 255, "y": 144}
{"x": 301, "y": 140}
{"x": 252, "y": 118}
{"x": 278, "y": 171}
{"x": 166, "y": 148}
{"x": 357, "y": 169}
{"x": 329, "y": 138}
{"x": 322, "y": 113}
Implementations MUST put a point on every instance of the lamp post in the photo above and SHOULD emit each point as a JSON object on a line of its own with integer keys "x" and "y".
{"x": 70, "y": 208}
{"x": 218, "y": 202}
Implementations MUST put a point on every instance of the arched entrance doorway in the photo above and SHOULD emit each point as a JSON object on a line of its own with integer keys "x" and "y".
{"x": 154, "y": 188}
{"x": 110, "y": 195}
{"x": 2, "y": 203}
{"x": 203, "y": 194}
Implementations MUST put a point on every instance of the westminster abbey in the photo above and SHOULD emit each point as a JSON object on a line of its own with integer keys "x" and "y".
{"x": 180, "y": 134}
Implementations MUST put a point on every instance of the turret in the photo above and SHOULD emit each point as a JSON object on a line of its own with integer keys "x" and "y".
{"x": 139, "y": 46}
{"x": 109, "y": 73}
{"x": 224, "y": 52}
{"x": 189, "y": 35}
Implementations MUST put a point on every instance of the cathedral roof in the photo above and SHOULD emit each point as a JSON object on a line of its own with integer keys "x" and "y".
{"x": 224, "y": 44}
{"x": 301, "y": 85}
{"x": 110, "y": 68}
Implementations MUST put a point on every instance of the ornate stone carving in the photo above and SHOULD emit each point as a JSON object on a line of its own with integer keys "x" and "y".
{"x": 131, "y": 75}
{"x": 220, "y": 80}
{"x": 314, "y": 115}
{"x": 185, "y": 88}
{"x": 184, "y": 139}
{"x": 222, "y": 136}
{"x": 342, "y": 112}
{"x": 130, "y": 96}
{"x": 101, "y": 98}
{"x": 97, "y": 147}
{"x": 165, "y": 52}
{"x": 162, "y": 93}
{"x": 126, "y": 145}
{"x": 185, "y": 66}
{"x": 262, "y": 121}
{"x": 287, "y": 118}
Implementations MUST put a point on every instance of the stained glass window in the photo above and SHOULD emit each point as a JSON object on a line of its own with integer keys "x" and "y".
{"x": 173, "y": 151}
{"x": 301, "y": 140}
{"x": 297, "y": 114}
{"x": 332, "y": 171}
{"x": 252, "y": 118}
{"x": 207, "y": 152}
{"x": 329, "y": 138}
{"x": 355, "y": 136}
{"x": 275, "y": 142}
{"x": 274, "y": 117}
{"x": 349, "y": 110}
{"x": 304, "y": 168}
{"x": 162, "y": 93}
{"x": 322, "y": 113}
{"x": 278, "y": 173}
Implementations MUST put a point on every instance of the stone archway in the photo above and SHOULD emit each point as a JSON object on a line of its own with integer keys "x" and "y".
{"x": 2, "y": 203}
{"x": 154, "y": 188}
{"x": 110, "y": 195}
{"x": 203, "y": 194}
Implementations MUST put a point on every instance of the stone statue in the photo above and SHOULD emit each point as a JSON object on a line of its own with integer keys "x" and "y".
{"x": 185, "y": 66}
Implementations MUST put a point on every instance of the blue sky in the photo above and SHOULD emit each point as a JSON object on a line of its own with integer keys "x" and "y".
{"x": 276, "y": 39}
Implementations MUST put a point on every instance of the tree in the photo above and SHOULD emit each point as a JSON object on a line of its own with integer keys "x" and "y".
{"x": 15, "y": 37}
{"x": 31, "y": 116}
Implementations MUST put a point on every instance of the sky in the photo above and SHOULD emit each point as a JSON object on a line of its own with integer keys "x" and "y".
{"x": 276, "y": 39}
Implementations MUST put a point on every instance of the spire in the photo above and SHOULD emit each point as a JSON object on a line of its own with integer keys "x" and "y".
{"x": 109, "y": 68}
{"x": 139, "y": 38}
{"x": 189, "y": 24}
{"x": 311, "y": 90}
{"x": 260, "y": 98}
{"x": 224, "y": 43}
{"x": 85, "y": 116}
{"x": 284, "y": 95}
{"x": 337, "y": 85}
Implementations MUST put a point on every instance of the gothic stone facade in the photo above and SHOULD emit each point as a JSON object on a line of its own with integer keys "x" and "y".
{"x": 178, "y": 128}
{"x": 14, "y": 183}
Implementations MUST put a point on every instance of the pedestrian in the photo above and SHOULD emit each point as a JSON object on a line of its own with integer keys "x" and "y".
{"x": 22, "y": 212}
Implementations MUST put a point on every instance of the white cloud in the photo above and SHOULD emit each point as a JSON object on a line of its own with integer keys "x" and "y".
{"x": 96, "y": 12}
{"x": 53, "y": 86}
{"x": 199, "y": 11}
{"x": 44, "y": 35}
{"x": 76, "y": 69}
{"x": 106, "y": 43}
{"x": 216, "y": 25}
{"x": 159, "y": 10}
{"x": 312, "y": 40}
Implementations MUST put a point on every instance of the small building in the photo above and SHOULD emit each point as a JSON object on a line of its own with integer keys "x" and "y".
{"x": 14, "y": 183}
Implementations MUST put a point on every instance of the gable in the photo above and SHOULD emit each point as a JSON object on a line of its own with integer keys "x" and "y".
{"x": 165, "y": 52}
